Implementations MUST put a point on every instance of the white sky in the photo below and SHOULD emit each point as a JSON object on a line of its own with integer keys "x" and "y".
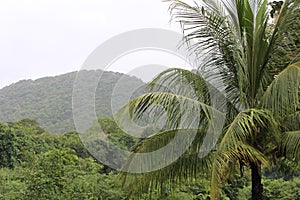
{"x": 49, "y": 37}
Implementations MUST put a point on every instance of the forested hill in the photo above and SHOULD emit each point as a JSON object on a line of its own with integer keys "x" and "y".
{"x": 49, "y": 100}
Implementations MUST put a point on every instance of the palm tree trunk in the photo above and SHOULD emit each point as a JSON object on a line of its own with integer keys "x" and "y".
{"x": 257, "y": 187}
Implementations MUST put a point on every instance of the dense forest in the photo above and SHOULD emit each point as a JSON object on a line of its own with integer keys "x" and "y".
{"x": 38, "y": 165}
{"x": 49, "y": 100}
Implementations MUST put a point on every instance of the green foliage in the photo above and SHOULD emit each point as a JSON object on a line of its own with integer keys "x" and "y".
{"x": 275, "y": 189}
{"x": 281, "y": 189}
{"x": 72, "y": 140}
{"x": 8, "y": 147}
{"x": 115, "y": 134}
{"x": 50, "y": 174}
{"x": 12, "y": 183}
{"x": 29, "y": 126}
{"x": 49, "y": 100}
{"x": 59, "y": 167}
{"x": 44, "y": 166}
{"x": 62, "y": 175}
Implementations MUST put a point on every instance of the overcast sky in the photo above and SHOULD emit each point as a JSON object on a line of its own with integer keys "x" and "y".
{"x": 49, "y": 37}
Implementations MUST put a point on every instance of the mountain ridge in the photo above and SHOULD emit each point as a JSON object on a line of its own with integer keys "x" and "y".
{"x": 48, "y": 100}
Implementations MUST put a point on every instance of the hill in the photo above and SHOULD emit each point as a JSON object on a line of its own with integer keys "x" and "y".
{"x": 49, "y": 100}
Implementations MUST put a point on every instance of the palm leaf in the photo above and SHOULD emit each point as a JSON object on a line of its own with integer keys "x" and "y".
{"x": 192, "y": 84}
{"x": 216, "y": 44}
{"x": 187, "y": 83}
{"x": 178, "y": 111}
{"x": 246, "y": 127}
{"x": 291, "y": 145}
{"x": 282, "y": 96}
{"x": 187, "y": 166}
{"x": 284, "y": 43}
{"x": 223, "y": 160}
{"x": 244, "y": 141}
{"x": 291, "y": 122}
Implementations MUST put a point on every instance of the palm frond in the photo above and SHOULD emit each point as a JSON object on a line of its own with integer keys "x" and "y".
{"x": 192, "y": 84}
{"x": 247, "y": 126}
{"x": 291, "y": 145}
{"x": 224, "y": 159}
{"x": 186, "y": 167}
{"x": 291, "y": 122}
{"x": 187, "y": 83}
{"x": 178, "y": 111}
{"x": 160, "y": 150}
{"x": 284, "y": 43}
{"x": 282, "y": 96}
{"x": 215, "y": 42}
{"x": 256, "y": 46}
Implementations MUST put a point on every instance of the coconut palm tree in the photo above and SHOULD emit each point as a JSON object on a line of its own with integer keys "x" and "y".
{"x": 248, "y": 78}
